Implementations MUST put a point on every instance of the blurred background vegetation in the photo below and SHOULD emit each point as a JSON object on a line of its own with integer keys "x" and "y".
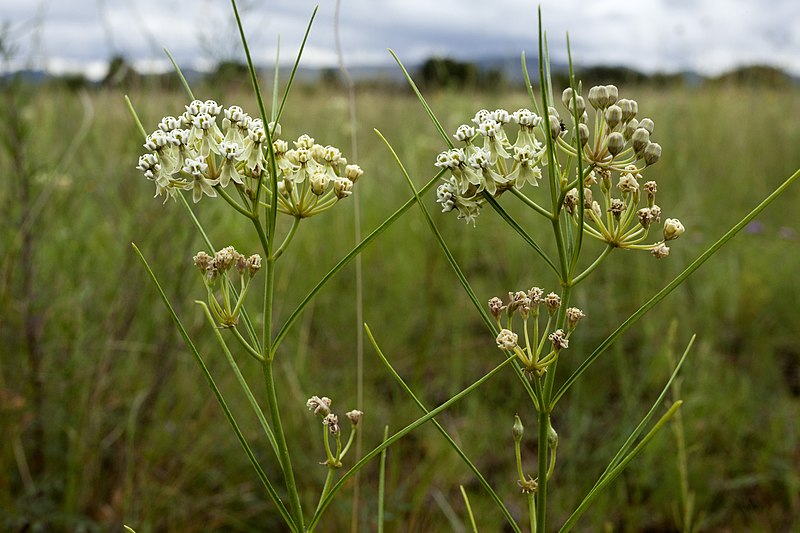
{"x": 105, "y": 419}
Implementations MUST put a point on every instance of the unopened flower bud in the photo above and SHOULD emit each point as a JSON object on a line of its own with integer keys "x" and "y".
{"x": 353, "y": 172}
{"x": 629, "y": 109}
{"x": 647, "y": 124}
{"x": 640, "y": 138}
{"x": 673, "y": 229}
{"x": 615, "y": 142}
{"x": 597, "y": 96}
{"x": 652, "y": 152}
{"x": 612, "y": 94}
{"x": 583, "y": 133}
{"x": 507, "y": 339}
{"x": 552, "y": 437}
{"x": 319, "y": 182}
{"x": 517, "y": 429}
{"x": 566, "y": 97}
{"x": 630, "y": 127}
{"x": 613, "y": 116}
{"x": 556, "y": 126}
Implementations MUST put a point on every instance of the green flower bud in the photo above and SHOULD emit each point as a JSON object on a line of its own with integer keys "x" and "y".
{"x": 630, "y": 127}
{"x": 611, "y": 94}
{"x": 647, "y": 124}
{"x": 615, "y": 142}
{"x": 613, "y": 116}
{"x": 629, "y": 109}
{"x": 652, "y": 153}
{"x": 556, "y": 126}
{"x": 566, "y": 97}
{"x": 640, "y": 138}
{"x": 598, "y": 96}
{"x": 552, "y": 437}
{"x": 517, "y": 429}
{"x": 583, "y": 133}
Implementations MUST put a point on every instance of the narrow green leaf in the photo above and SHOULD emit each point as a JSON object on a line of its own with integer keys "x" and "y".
{"x": 180, "y": 75}
{"x": 399, "y": 435}
{"x": 218, "y": 395}
{"x": 428, "y": 110}
{"x": 344, "y": 261}
{"x": 678, "y": 280}
{"x": 482, "y": 480}
{"x": 616, "y": 471}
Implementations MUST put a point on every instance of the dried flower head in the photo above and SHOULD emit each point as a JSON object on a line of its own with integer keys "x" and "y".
{"x": 354, "y": 416}
{"x": 559, "y": 340}
{"x": 320, "y": 406}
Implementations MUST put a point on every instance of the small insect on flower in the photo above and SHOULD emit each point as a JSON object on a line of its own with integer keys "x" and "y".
{"x": 562, "y": 125}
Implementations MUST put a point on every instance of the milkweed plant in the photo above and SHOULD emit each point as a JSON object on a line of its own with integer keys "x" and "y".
{"x": 580, "y": 163}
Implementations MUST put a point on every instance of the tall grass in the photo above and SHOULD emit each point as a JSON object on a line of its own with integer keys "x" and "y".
{"x": 130, "y": 434}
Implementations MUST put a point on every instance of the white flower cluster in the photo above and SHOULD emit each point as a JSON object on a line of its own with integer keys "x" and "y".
{"x": 616, "y": 152}
{"x": 489, "y": 161}
{"x": 192, "y": 152}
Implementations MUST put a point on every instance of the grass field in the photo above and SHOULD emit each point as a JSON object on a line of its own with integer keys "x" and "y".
{"x": 106, "y": 419}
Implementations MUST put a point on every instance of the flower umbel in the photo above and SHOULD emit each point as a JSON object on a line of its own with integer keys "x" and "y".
{"x": 192, "y": 152}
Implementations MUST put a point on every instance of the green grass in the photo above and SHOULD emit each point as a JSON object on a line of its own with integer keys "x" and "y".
{"x": 133, "y": 434}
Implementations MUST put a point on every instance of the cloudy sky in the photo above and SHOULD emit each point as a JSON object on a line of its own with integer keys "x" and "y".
{"x": 709, "y": 36}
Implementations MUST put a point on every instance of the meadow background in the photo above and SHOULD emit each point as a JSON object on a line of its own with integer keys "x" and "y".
{"x": 105, "y": 418}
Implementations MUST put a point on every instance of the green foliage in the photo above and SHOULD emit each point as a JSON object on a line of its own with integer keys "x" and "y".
{"x": 133, "y": 435}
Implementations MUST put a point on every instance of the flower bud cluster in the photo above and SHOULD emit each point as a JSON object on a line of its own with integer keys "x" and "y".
{"x": 489, "y": 162}
{"x": 217, "y": 271}
{"x": 330, "y": 422}
{"x": 529, "y": 305}
{"x": 619, "y": 208}
{"x": 192, "y": 152}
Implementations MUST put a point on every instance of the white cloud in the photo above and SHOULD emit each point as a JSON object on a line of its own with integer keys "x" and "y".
{"x": 705, "y": 35}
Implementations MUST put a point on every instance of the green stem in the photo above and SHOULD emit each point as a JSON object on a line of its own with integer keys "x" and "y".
{"x": 481, "y": 479}
{"x": 233, "y": 203}
{"x": 580, "y": 277}
{"x": 218, "y": 395}
{"x": 288, "y": 239}
{"x": 283, "y": 449}
{"x": 541, "y": 489}
{"x": 382, "y": 482}
{"x": 246, "y": 345}
{"x": 240, "y": 378}
{"x": 327, "y": 486}
{"x": 402, "y": 433}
